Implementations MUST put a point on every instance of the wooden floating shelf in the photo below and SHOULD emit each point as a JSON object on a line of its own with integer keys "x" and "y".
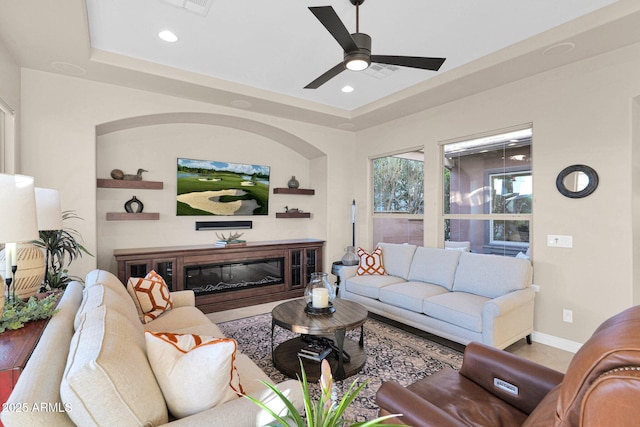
{"x": 122, "y": 183}
{"x": 126, "y": 216}
{"x": 305, "y": 191}
{"x": 293, "y": 215}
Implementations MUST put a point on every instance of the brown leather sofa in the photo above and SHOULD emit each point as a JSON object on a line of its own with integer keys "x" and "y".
{"x": 494, "y": 388}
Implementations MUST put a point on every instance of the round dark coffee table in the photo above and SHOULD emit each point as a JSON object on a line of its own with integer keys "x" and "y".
{"x": 291, "y": 315}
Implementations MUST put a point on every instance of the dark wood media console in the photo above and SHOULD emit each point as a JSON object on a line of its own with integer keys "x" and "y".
{"x": 232, "y": 276}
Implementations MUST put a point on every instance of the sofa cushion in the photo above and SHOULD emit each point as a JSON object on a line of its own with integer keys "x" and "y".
{"x": 184, "y": 320}
{"x": 370, "y": 263}
{"x": 397, "y": 258}
{"x": 369, "y": 286}
{"x": 409, "y": 295}
{"x": 101, "y": 277}
{"x": 99, "y": 294}
{"x": 459, "y": 308}
{"x": 195, "y": 373}
{"x": 491, "y": 275}
{"x": 151, "y": 295}
{"x": 434, "y": 265}
{"x": 107, "y": 379}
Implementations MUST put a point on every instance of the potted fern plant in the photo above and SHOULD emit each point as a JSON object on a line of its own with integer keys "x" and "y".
{"x": 326, "y": 412}
{"x": 61, "y": 247}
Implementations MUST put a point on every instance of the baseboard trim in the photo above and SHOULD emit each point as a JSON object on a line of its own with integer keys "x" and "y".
{"x": 557, "y": 342}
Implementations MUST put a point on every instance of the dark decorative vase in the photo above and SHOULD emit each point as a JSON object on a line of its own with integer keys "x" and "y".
{"x": 293, "y": 183}
{"x": 134, "y": 205}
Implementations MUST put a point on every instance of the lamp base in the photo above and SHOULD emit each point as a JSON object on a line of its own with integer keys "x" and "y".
{"x": 30, "y": 273}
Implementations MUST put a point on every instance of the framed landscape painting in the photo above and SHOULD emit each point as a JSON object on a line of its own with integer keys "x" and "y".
{"x": 221, "y": 188}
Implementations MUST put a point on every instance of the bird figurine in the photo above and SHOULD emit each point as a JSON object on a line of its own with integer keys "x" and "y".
{"x": 118, "y": 174}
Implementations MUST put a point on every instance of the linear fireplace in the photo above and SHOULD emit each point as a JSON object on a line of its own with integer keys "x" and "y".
{"x": 227, "y": 277}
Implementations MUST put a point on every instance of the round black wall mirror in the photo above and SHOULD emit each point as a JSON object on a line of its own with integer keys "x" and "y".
{"x": 577, "y": 181}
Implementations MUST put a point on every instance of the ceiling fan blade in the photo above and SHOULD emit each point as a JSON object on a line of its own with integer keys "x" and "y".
{"x": 326, "y": 77}
{"x": 329, "y": 18}
{"x": 433, "y": 64}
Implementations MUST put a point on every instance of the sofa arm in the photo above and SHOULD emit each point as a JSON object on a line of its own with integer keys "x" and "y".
{"x": 392, "y": 398}
{"x": 508, "y": 302}
{"x": 346, "y": 272}
{"x": 484, "y": 365}
{"x": 183, "y": 299}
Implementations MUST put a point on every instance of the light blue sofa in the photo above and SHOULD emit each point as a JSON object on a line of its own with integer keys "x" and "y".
{"x": 460, "y": 296}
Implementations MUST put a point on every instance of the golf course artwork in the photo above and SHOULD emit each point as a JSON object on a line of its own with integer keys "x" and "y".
{"x": 221, "y": 188}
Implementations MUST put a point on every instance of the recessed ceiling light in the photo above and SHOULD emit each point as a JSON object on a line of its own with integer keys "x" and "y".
{"x": 347, "y": 89}
{"x": 168, "y": 36}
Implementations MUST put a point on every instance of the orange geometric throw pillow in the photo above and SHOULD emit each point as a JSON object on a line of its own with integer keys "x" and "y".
{"x": 151, "y": 295}
{"x": 370, "y": 263}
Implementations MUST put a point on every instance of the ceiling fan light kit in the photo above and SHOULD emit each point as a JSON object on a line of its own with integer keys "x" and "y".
{"x": 357, "y": 48}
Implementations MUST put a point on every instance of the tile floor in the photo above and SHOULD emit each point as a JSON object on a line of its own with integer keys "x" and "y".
{"x": 540, "y": 353}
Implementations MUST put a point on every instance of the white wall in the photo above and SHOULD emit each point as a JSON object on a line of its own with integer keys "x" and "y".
{"x": 10, "y": 95}
{"x": 580, "y": 114}
{"x": 59, "y": 139}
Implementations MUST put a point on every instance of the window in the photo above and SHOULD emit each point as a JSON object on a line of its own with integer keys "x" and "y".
{"x": 398, "y": 198}
{"x": 488, "y": 192}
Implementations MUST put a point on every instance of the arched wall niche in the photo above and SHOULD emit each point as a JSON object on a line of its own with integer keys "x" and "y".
{"x": 154, "y": 141}
{"x": 285, "y": 138}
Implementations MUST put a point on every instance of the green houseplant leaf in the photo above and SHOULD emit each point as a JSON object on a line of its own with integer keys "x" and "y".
{"x": 62, "y": 247}
{"x": 325, "y": 412}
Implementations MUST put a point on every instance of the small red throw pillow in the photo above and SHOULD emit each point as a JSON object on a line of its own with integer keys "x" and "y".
{"x": 370, "y": 263}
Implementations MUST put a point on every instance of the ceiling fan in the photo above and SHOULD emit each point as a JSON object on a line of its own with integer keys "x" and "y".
{"x": 357, "y": 48}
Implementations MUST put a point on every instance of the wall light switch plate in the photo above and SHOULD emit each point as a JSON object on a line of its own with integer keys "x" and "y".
{"x": 558, "y": 241}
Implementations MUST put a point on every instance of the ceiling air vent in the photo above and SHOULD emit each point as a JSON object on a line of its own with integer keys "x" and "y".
{"x": 201, "y": 7}
{"x": 380, "y": 71}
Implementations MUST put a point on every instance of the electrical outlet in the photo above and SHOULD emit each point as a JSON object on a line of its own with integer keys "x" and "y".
{"x": 567, "y": 316}
{"x": 559, "y": 241}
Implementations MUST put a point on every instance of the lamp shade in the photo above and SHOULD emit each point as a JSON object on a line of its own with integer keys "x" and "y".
{"x": 48, "y": 209}
{"x": 18, "y": 220}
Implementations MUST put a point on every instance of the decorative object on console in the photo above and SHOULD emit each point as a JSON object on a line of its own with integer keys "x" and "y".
{"x": 119, "y": 174}
{"x": 370, "y": 263}
{"x": 292, "y": 210}
{"x": 195, "y": 373}
{"x": 232, "y": 239}
{"x": 17, "y": 313}
{"x": 221, "y": 188}
{"x": 134, "y": 205}
{"x": 18, "y": 223}
{"x": 151, "y": 296}
{"x": 319, "y": 295}
{"x": 293, "y": 183}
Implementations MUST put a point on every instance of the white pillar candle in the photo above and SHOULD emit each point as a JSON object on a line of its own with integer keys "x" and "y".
{"x": 14, "y": 253}
{"x": 320, "y": 298}
{"x": 7, "y": 259}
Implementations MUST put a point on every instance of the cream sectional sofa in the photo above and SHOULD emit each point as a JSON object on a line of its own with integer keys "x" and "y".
{"x": 460, "y": 296}
{"x": 90, "y": 366}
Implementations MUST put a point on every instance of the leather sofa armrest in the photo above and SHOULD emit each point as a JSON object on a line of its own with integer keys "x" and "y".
{"x": 392, "y": 398}
{"x": 516, "y": 380}
{"x": 183, "y": 298}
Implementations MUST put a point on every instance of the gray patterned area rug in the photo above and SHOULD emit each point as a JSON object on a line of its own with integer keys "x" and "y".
{"x": 392, "y": 355}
